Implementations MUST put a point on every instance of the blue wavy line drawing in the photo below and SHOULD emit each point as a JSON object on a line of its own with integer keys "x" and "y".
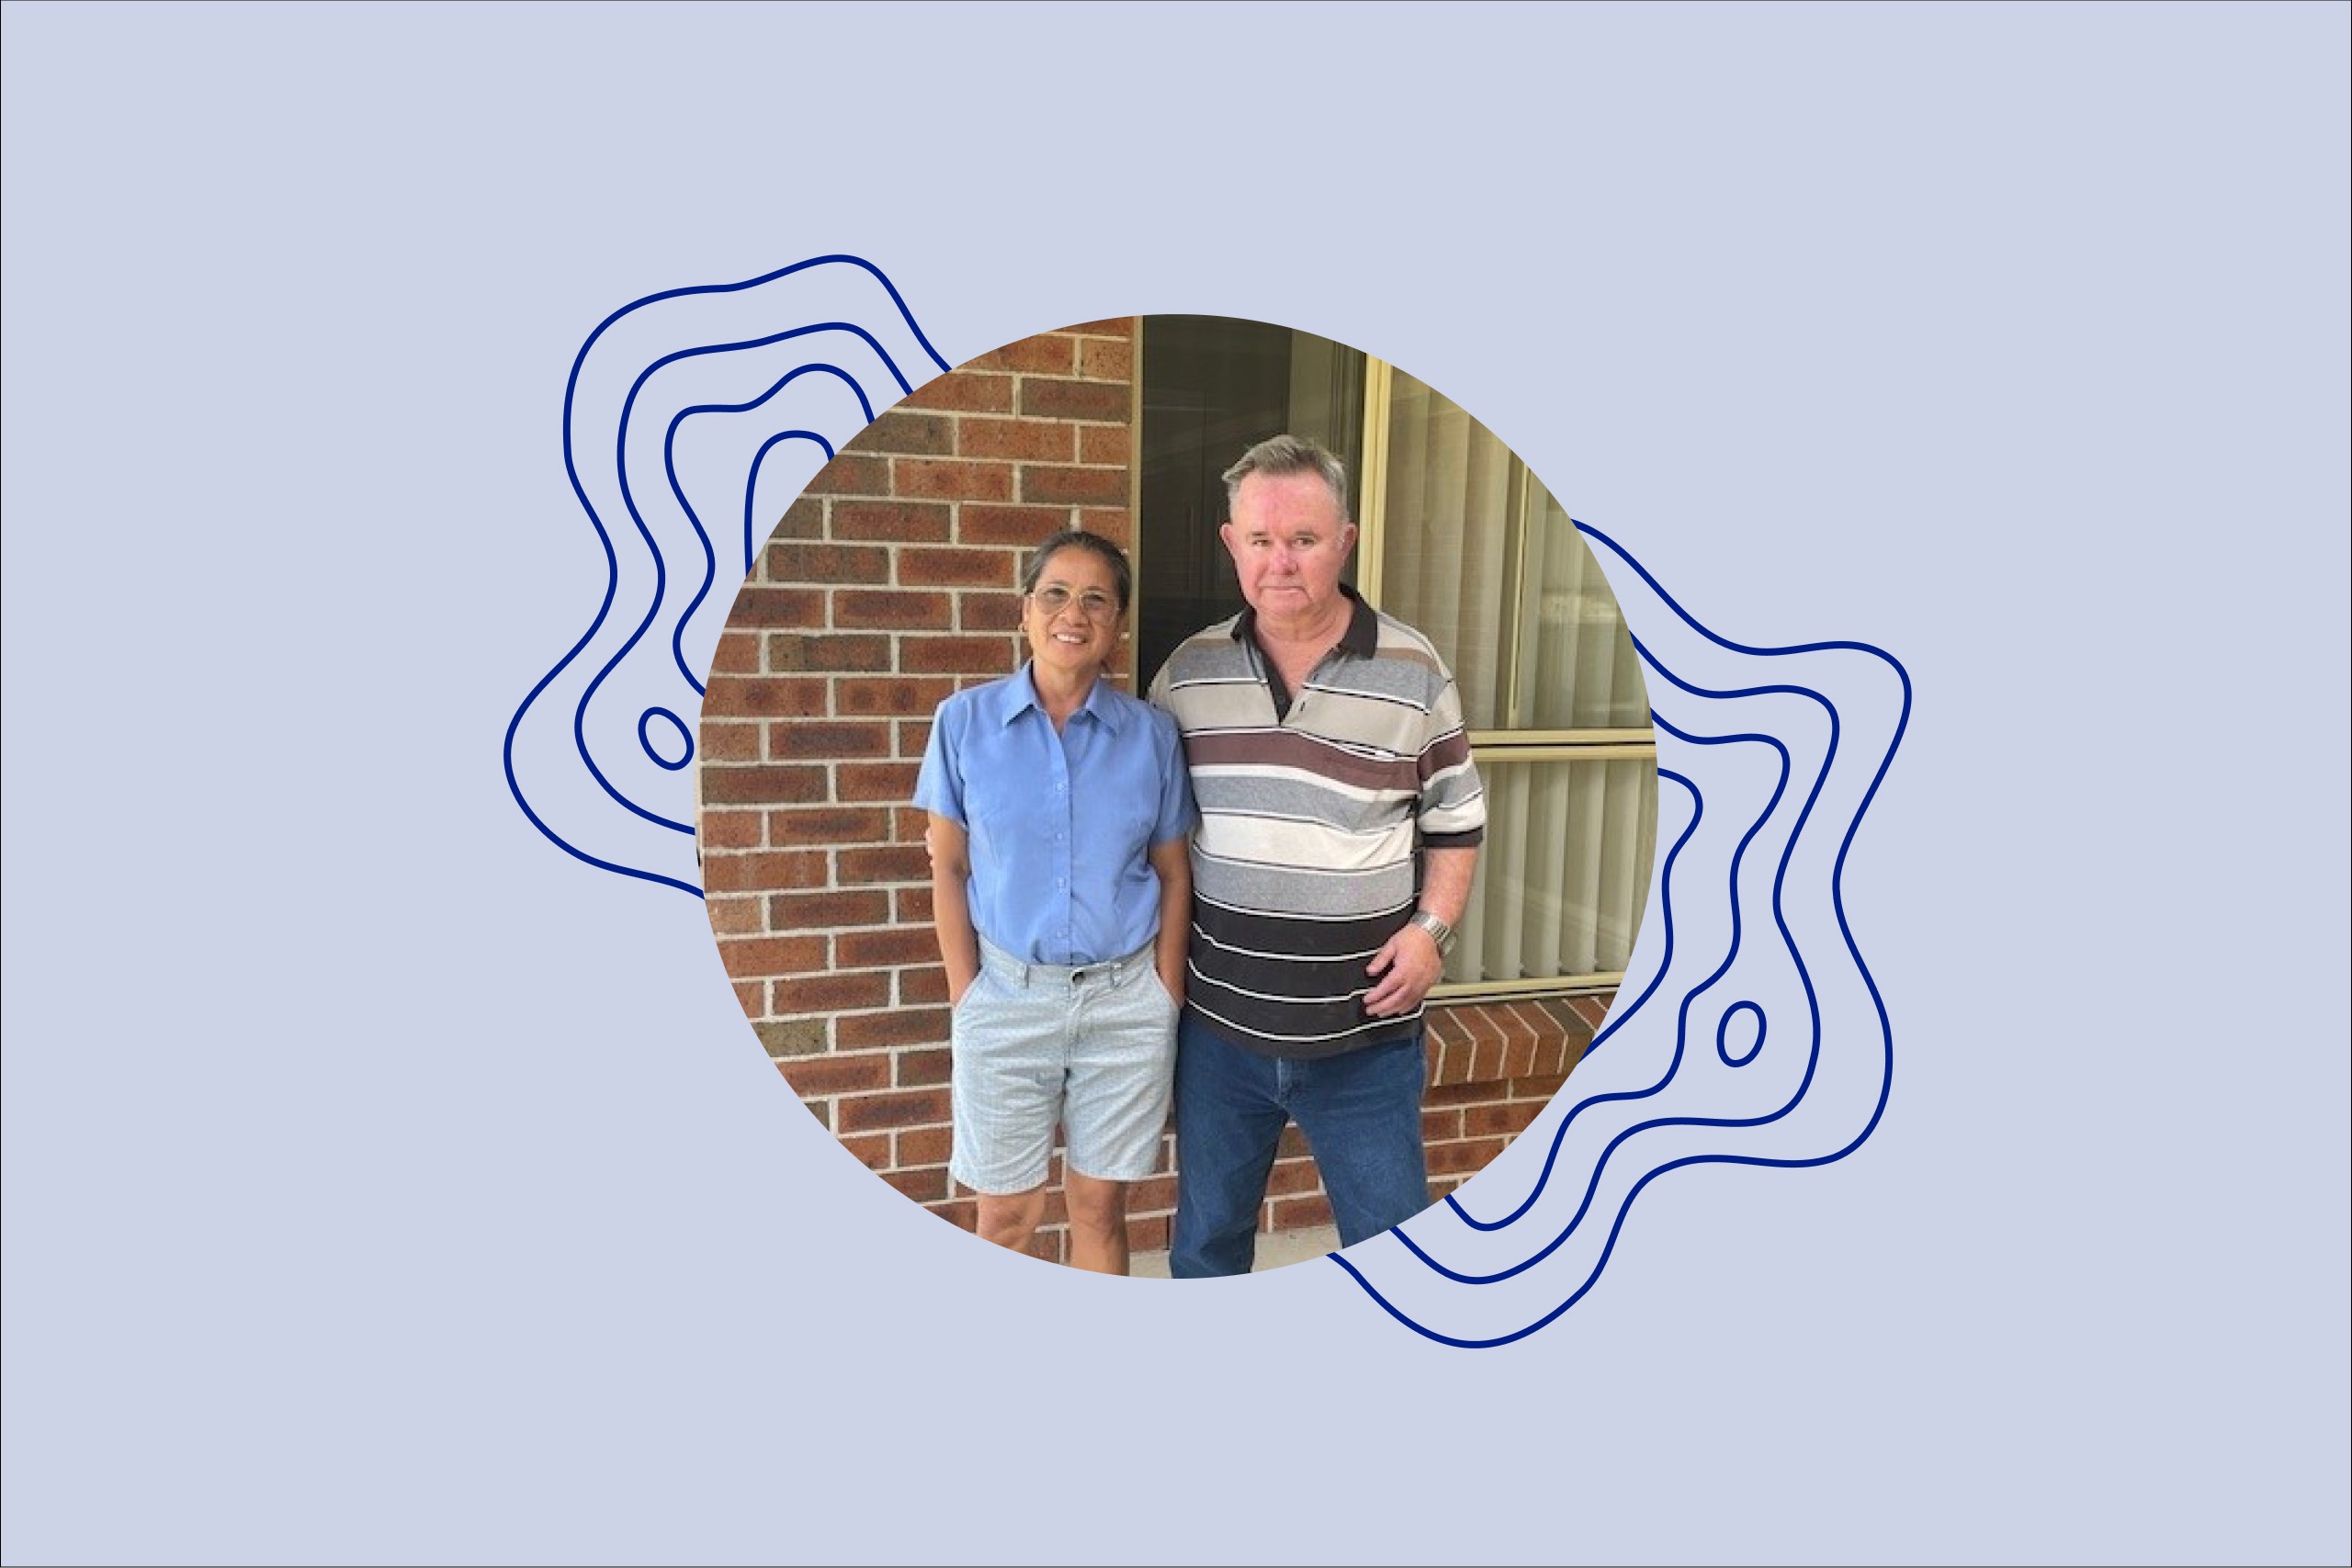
{"x": 1440, "y": 1277}
{"x": 823, "y": 342}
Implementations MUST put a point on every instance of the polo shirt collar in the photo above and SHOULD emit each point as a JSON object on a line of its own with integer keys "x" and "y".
{"x": 1019, "y": 694}
{"x": 1361, "y": 640}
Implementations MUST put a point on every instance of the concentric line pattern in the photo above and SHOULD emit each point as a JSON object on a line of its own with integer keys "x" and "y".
{"x": 693, "y": 410}
{"x": 1770, "y": 750}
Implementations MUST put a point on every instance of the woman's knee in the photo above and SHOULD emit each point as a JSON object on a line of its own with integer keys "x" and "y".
{"x": 1009, "y": 1219}
{"x": 1096, "y": 1207}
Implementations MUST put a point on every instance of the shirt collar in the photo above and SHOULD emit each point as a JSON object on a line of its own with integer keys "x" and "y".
{"x": 1019, "y": 694}
{"x": 1361, "y": 640}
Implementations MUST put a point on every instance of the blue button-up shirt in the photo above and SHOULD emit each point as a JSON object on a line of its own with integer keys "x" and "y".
{"x": 1059, "y": 825}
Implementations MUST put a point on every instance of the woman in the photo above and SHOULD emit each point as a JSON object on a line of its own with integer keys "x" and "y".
{"x": 1059, "y": 808}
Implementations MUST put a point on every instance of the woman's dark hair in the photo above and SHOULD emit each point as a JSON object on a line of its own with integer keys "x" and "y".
{"x": 1080, "y": 539}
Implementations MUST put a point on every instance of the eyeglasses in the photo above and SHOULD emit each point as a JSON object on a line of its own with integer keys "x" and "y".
{"x": 1094, "y": 604}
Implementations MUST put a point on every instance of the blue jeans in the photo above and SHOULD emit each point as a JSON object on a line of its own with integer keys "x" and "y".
{"x": 1361, "y": 1115}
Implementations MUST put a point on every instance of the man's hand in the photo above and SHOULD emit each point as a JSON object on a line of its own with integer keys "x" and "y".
{"x": 1404, "y": 969}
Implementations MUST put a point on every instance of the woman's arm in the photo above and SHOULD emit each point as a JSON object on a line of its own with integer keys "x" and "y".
{"x": 951, "y": 909}
{"x": 1173, "y": 863}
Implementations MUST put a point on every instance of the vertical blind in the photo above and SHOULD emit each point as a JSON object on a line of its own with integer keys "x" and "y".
{"x": 1479, "y": 555}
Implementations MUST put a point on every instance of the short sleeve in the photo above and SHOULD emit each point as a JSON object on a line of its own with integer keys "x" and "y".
{"x": 1175, "y": 818}
{"x": 939, "y": 784}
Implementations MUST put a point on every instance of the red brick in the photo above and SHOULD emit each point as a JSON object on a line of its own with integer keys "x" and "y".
{"x": 778, "y": 607}
{"x": 1147, "y": 1233}
{"x": 765, "y": 696}
{"x": 1541, "y": 1088}
{"x": 925, "y": 1145}
{"x": 922, "y": 1186}
{"x": 1111, "y": 444}
{"x": 897, "y": 609}
{"x": 1293, "y": 1176}
{"x": 766, "y": 872}
{"x": 761, "y": 787}
{"x": 1157, "y": 1192}
{"x": 1291, "y": 1143}
{"x": 910, "y": 906}
{"x": 1043, "y": 398}
{"x": 1460, "y": 1094}
{"x": 1049, "y": 353}
{"x": 925, "y": 1026}
{"x": 926, "y": 986}
{"x": 871, "y": 1150}
{"x": 961, "y": 1213}
{"x": 729, "y": 743}
{"x": 800, "y": 562}
{"x": 914, "y": 734}
{"x": 941, "y": 478}
{"x": 875, "y": 781}
{"x": 885, "y": 949}
{"x": 753, "y": 998}
{"x": 985, "y": 655}
{"x": 1446, "y": 1025}
{"x": 804, "y": 519}
{"x": 868, "y": 1112}
{"x": 812, "y": 740}
{"x": 1296, "y": 1213}
{"x": 773, "y": 954}
{"x": 903, "y": 430}
{"x": 1486, "y": 1059}
{"x": 854, "y": 652}
{"x": 918, "y": 1069}
{"x": 1593, "y": 1010}
{"x": 1021, "y": 527}
{"x": 800, "y": 995}
{"x": 1107, "y": 361}
{"x": 904, "y": 862}
{"x": 1110, "y": 522}
{"x": 1440, "y": 1126}
{"x": 980, "y": 610}
{"x": 1463, "y": 1159}
{"x": 805, "y": 911}
{"x": 1520, "y": 1043}
{"x": 812, "y": 826}
{"x": 1073, "y": 487}
{"x": 899, "y": 522}
{"x": 734, "y": 917}
{"x": 956, "y": 569}
{"x": 964, "y": 391}
{"x": 852, "y": 473}
{"x": 1508, "y": 1118}
{"x": 739, "y": 654}
{"x": 1110, "y": 326}
{"x": 1036, "y": 440}
{"x": 888, "y": 696}
{"x": 731, "y": 830}
{"x": 813, "y": 1075}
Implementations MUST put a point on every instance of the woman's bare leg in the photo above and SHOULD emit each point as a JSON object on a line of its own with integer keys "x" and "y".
{"x": 1098, "y": 1223}
{"x": 1011, "y": 1219}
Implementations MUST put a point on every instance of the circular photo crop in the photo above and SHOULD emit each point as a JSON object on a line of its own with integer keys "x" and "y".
{"x": 1175, "y": 795}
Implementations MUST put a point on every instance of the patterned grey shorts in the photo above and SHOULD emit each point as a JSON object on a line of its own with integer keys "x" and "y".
{"x": 1091, "y": 1048}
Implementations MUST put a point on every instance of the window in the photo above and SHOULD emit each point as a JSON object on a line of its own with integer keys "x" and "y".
{"x": 1461, "y": 541}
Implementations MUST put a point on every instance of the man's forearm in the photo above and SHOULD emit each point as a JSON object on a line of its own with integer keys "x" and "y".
{"x": 1445, "y": 881}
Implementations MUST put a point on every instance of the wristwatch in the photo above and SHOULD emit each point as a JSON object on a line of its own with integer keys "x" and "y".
{"x": 1438, "y": 929}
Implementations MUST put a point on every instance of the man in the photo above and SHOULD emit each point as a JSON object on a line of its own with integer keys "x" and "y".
{"x": 1340, "y": 823}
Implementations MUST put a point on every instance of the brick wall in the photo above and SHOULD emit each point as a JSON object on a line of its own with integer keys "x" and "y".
{"x": 887, "y": 585}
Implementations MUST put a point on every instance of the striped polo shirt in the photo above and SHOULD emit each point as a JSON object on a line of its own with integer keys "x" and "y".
{"x": 1306, "y": 857}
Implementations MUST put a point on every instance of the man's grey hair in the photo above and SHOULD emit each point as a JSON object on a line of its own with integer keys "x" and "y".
{"x": 1279, "y": 457}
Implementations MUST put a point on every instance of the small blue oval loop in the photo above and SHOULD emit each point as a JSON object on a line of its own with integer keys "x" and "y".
{"x": 686, "y": 738}
{"x": 1723, "y": 1047}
